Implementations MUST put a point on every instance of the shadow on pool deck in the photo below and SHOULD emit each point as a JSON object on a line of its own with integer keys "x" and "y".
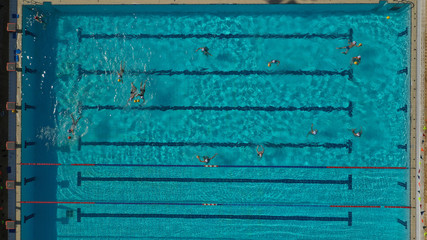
{"x": 4, "y": 87}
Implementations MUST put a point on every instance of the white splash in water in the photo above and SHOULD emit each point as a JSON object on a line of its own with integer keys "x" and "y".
{"x": 49, "y": 135}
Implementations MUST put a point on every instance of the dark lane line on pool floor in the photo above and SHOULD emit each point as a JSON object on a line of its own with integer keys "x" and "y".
{"x": 201, "y": 166}
{"x": 348, "y": 72}
{"x": 80, "y": 179}
{"x": 220, "y": 204}
{"x": 81, "y": 35}
{"x": 349, "y": 109}
{"x": 348, "y": 144}
{"x": 348, "y": 219}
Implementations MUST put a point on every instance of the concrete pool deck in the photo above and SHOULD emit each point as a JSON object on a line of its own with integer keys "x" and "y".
{"x": 417, "y": 110}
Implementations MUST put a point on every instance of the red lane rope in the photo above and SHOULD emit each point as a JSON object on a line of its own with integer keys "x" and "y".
{"x": 211, "y": 204}
{"x": 42, "y": 202}
{"x": 208, "y": 166}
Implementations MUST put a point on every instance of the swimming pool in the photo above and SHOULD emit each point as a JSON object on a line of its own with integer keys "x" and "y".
{"x": 130, "y": 170}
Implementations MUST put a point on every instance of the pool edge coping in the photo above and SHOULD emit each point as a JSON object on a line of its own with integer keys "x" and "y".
{"x": 418, "y": 76}
{"x": 18, "y": 125}
{"x": 415, "y": 216}
{"x": 201, "y": 2}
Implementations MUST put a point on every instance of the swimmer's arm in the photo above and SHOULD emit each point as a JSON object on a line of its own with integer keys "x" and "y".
{"x": 198, "y": 49}
{"x": 72, "y": 117}
{"x": 311, "y": 131}
{"x": 213, "y": 156}
{"x": 262, "y": 148}
{"x": 209, "y": 53}
{"x": 133, "y": 88}
{"x": 132, "y": 95}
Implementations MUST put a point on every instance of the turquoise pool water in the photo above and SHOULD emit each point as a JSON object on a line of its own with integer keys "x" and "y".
{"x": 130, "y": 169}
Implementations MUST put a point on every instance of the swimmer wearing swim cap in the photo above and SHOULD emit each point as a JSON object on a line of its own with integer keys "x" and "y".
{"x": 206, "y": 159}
{"x": 39, "y": 18}
{"x": 133, "y": 92}
{"x": 142, "y": 91}
{"x": 357, "y": 134}
{"x": 74, "y": 125}
{"x": 356, "y": 60}
{"x": 350, "y": 45}
{"x": 205, "y": 51}
{"x": 260, "y": 153}
{"x": 312, "y": 131}
{"x": 273, "y": 61}
{"x": 122, "y": 71}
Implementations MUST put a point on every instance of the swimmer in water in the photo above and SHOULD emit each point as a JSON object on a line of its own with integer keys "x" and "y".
{"x": 260, "y": 153}
{"x": 350, "y": 45}
{"x": 273, "y": 61}
{"x": 132, "y": 92}
{"x": 357, "y": 134}
{"x": 39, "y": 18}
{"x": 205, "y": 50}
{"x": 312, "y": 131}
{"x": 142, "y": 91}
{"x": 74, "y": 125}
{"x": 206, "y": 159}
{"x": 122, "y": 71}
{"x": 356, "y": 60}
